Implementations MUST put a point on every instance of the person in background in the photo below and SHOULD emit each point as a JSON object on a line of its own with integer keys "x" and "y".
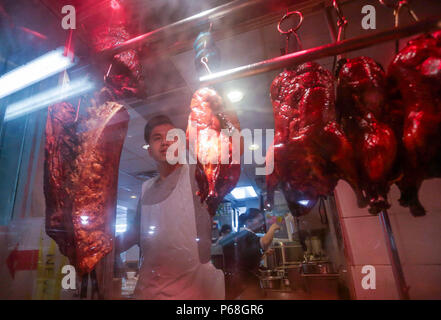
{"x": 224, "y": 231}
{"x": 243, "y": 252}
{"x": 216, "y": 248}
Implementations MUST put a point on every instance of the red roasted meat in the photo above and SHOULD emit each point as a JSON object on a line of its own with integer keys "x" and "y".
{"x": 81, "y": 179}
{"x": 362, "y": 105}
{"x": 311, "y": 153}
{"x": 415, "y": 88}
{"x": 207, "y": 118}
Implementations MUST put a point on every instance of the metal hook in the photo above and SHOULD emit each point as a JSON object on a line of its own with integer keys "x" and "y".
{"x": 342, "y": 22}
{"x": 291, "y": 31}
{"x": 204, "y": 61}
{"x": 341, "y": 19}
{"x": 286, "y": 16}
{"x": 398, "y": 7}
{"x": 389, "y": 3}
{"x": 108, "y": 72}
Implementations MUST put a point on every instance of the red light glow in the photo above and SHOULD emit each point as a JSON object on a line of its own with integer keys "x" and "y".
{"x": 115, "y": 5}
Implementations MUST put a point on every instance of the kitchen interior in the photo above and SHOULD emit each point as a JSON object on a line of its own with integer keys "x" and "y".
{"x": 319, "y": 255}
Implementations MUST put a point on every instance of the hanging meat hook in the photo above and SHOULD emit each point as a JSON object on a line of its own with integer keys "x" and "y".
{"x": 206, "y": 52}
{"x": 291, "y": 31}
{"x": 342, "y": 22}
{"x": 398, "y": 7}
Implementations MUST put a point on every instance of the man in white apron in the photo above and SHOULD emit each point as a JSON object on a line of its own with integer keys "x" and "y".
{"x": 173, "y": 230}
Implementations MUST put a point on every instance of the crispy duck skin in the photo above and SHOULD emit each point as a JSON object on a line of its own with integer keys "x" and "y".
{"x": 414, "y": 79}
{"x": 362, "y": 105}
{"x": 84, "y": 197}
{"x": 207, "y": 118}
{"x": 311, "y": 153}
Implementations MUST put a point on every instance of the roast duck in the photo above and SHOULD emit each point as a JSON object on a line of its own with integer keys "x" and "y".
{"x": 362, "y": 105}
{"x": 383, "y": 128}
{"x": 310, "y": 151}
{"x": 415, "y": 88}
{"x": 216, "y": 173}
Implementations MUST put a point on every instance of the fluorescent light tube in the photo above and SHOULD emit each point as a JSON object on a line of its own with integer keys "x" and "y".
{"x": 244, "y": 192}
{"x": 34, "y": 71}
{"x": 235, "y": 96}
{"x": 47, "y": 98}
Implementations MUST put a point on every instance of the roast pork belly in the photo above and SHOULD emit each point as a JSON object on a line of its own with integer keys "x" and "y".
{"x": 81, "y": 179}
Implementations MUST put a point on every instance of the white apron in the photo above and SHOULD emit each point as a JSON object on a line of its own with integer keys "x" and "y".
{"x": 171, "y": 268}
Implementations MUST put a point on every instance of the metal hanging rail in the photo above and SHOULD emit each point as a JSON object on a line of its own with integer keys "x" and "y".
{"x": 322, "y": 51}
{"x": 181, "y": 25}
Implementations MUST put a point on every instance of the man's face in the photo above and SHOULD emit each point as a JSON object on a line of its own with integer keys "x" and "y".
{"x": 158, "y": 143}
{"x": 256, "y": 223}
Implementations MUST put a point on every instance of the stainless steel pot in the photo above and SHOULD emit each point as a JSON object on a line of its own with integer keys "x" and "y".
{"x": 319, "y": 267}
{"x": 272, "y": 273}
{"x": 294, "y": 275}
{"x": 267, "y": 273}
{"x": 287, "y": 253}
{"x": 271, "y": 261}
{"x": 272, "y": 282}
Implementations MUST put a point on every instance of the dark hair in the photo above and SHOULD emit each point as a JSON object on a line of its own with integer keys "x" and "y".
{"x": 250, "y": 214}
{"x": 154, "y": 122}
{"x": 225, "y": 228}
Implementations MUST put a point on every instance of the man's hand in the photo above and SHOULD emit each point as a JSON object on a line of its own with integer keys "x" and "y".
{"x": 274, "y": 227}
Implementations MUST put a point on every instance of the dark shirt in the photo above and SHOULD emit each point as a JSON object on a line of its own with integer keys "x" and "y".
{"x": 242, "y": 255}
{"x": 242, "y": 252}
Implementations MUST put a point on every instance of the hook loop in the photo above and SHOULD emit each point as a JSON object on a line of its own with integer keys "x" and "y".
{"x": 398, "y": 6}
{"x": 286, "y": 16}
